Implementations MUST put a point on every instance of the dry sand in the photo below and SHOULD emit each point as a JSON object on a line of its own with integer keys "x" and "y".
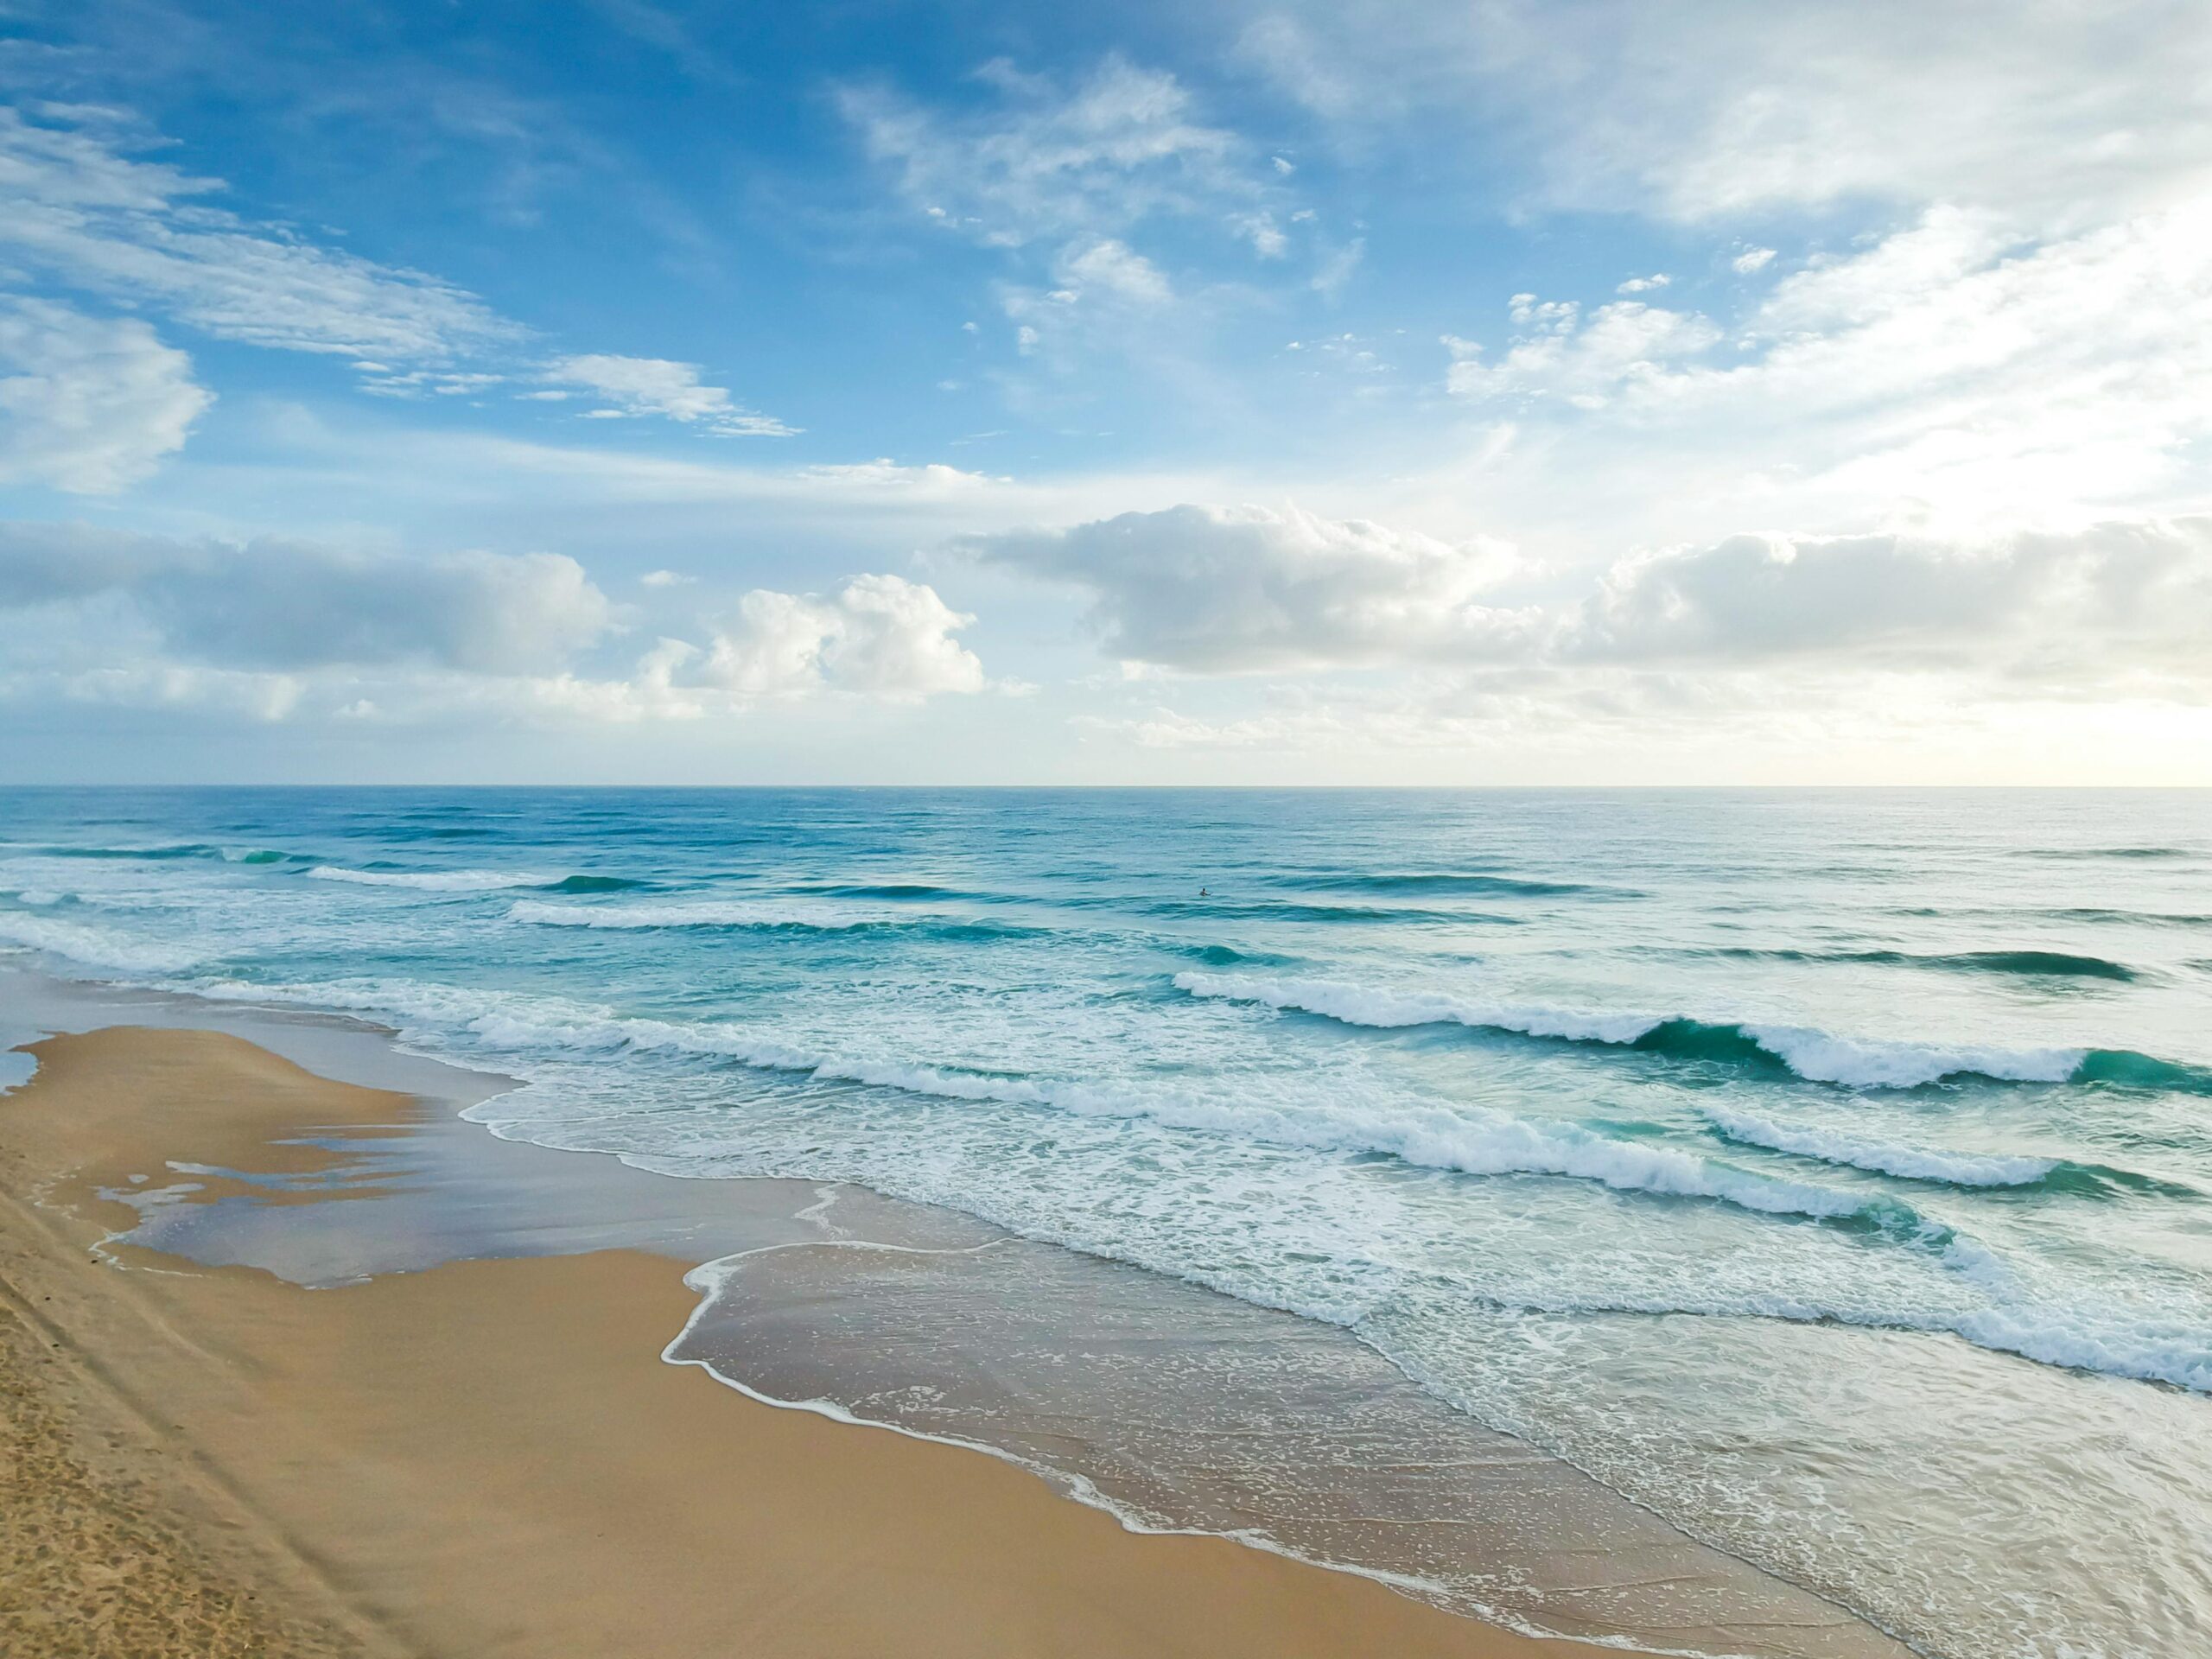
{"x": 489, "y": 1459}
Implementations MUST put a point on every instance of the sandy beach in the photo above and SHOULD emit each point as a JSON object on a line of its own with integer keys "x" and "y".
{"x": 490, "y": 1458}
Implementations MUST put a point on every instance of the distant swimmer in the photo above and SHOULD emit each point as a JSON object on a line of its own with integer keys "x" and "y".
{"x": 1202, "y": 892}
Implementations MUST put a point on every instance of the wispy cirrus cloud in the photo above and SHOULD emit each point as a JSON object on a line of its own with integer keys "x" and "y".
{"x": 1080, "y": 180}
{"x": 85, "y": 211}
{"x": 1956, "y": 362}
{"x": 89, "y": 211}
{"x": 1048, "y": 160}
{"x": 1737, "y": 107}
{"x": 636, "y": 386}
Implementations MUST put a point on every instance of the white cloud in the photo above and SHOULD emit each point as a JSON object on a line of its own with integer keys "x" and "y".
{"x": 88, "y": 405}
{"x": 878, "y": 635}
{"x": 653, "y": 386}
{"x": 1338, "y": 267}
{"x": 1070, "y": 177}
{"x": 1960, "y": 365}
{"x": 1261, "y": 230}
{"x": 283, "y": 630}
{"x": 81, "y": 210}
{"x": 2111, "y": 601}
{"x": 272, "y": 604}
{"x": 1052, "y": 162}
{"x": 1236, "y": 590}
{"x": 1645, "y": 284}
{"x": 1750, "y": 260}
{"x": 1113, "y": 270}
{"x": 1728, "y": 107}
{"x": 1099, "y": 286}
{"x": 1331, "y": 85}
{"x": 1201, "y": 590}
{"x": 1558, "y": 352}
{"x": 1957, "y": 372}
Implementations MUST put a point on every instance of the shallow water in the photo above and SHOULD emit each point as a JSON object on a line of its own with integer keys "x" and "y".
{"x": 1826, "y": 1173}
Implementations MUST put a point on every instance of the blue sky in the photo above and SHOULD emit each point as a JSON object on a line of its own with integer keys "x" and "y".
{"x": 1580, "y": 392}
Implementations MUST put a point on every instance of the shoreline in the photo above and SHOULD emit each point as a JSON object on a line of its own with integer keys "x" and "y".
{"x": 490, "y": 1456}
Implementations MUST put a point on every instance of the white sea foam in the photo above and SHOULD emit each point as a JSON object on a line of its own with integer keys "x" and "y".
{"x": 1885, "y": 1157}
{"x": 1360, "y": 1005}
{"x": 2015, "y": 1318}
{"x": 97, "y": 947}
{"x": 737, "y": 914}
{"x": 1475, "y": 1142}
{"x": 1857, "y": 1064}
{"x": 429, "y": 881}
{"x": 1817, "y": 1056}
{"x": 2145, "y": 1347}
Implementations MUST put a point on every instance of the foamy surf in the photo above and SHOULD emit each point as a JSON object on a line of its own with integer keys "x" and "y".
{"x": 1813, "y": 1055}
{"x": 1883, "y": 1157}
{"x": 428, "y": 880}
{"x": 95, "y": 947}
{"x": 745, "y": 913}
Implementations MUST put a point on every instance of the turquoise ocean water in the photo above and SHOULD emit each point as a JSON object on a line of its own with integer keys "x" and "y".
{"x": 1829, "y": 1173}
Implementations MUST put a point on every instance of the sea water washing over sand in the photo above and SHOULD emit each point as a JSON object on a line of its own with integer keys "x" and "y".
{"x": 1829, "y": 1174}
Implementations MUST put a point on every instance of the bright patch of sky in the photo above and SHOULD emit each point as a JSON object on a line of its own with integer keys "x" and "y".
{"x": 1587, "y": 391}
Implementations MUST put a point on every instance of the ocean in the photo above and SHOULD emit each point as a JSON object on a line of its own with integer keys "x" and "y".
{"x": 1824, "y": 1175}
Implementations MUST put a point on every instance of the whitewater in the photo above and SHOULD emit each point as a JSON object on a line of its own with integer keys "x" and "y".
{"x": 1868, "y": 1137}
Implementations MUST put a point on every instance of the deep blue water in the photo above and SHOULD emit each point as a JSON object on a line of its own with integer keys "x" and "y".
{"x": 1831, "y": 1172}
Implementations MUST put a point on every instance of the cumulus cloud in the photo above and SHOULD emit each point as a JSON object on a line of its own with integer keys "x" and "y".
{"x": 878, "y": 635}
{"x": 1236, "y": 590}
{"x": 280, "y": 628}
{"x": 2105, "y": 601}
{"x": 650, "y": 385}
{"x": 88, "y": 405}
{"x": 274, "y": 604}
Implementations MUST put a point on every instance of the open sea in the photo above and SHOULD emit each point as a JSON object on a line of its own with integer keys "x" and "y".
{"x": 1424, "y": 1182}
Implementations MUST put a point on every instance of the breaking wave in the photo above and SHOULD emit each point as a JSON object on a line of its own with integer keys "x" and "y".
{"x": 1816, "y": 1056}
{"x": 429, "y": 881}
{"x": 2030, "y": 963}
{"x": 1883, "y": 1157}
{"x": 96, "y": 947}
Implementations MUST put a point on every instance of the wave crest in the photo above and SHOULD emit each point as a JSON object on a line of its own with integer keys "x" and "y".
{"x": 429, "y": 880}
{"x": 97, "y": 947}
{"x": 1813, "y": 1055}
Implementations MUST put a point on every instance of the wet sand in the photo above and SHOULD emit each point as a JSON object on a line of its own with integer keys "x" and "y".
{"x": 489, "y": 1457}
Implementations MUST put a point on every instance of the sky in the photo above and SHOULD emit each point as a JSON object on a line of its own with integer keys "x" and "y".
{"x": 1591, "y": 391}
